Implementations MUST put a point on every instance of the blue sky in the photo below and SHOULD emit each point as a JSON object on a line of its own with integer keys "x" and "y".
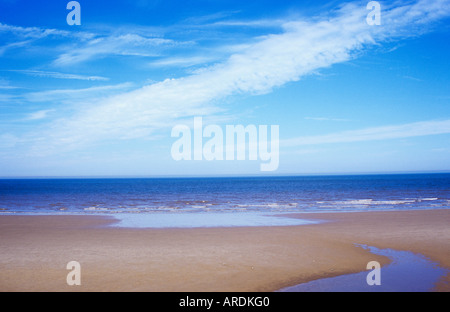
{"x": 101, "y": 98}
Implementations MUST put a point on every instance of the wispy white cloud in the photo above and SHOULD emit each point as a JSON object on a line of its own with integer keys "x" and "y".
{"x": 32, "y": 32}
{"x": 101, "y": 46}
{"x": 260, "y": 23}
{"x": 209, "y": 18}
{"x": 17, "y": 44}
{"x": 57, "y": 75}
{"x": 326, "y": 119}
{"x": 41, "y": 114}
{"x": 415, "y": 129}
{"x": 81, "y": 46}
{"x": 303, "y": 47}
{"x": 5, "y": 85}
{"x": 20, "y": 37}
{"x": 183, "y": 61}
{"x": 6, "y": 98}
{"x": 91, "y": 93}
{"x": 412, "y": 78}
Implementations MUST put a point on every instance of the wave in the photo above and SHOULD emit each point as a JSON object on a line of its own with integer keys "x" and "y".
{"x": 371, "y": 201}
{"x": 95, "y": 209}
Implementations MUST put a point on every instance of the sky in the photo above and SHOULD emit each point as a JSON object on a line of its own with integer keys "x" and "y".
{"x": 102, "y": 98}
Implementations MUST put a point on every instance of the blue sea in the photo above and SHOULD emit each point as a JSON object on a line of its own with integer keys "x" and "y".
{"x": 219, "y": 201}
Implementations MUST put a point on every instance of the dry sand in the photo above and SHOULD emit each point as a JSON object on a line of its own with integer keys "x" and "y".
{"x": 36, "y": 249}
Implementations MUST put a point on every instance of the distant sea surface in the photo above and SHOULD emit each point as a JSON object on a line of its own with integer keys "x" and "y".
{"x": 240, "y": 194}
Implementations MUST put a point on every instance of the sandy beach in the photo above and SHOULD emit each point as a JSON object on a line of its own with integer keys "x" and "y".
{"x": 36, "y": 249}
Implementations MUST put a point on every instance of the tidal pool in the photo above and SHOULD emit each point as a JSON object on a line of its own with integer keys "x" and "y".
{"x": 408, "y": 272}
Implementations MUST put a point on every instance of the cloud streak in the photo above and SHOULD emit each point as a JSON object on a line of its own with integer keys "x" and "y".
{"x": 32, "y": 32}
{"x": 91, "y": 93}
{"x": 102, "y": 46}
{"x": 303, "y": 47}
{"x": 39, "y": 114}
{"x": 326, "y": 119}
{"x": 57, "y": 75}
{"x": 416, "y": 129}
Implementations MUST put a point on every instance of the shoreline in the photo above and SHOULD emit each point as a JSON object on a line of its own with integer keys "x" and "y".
{"x": 36, "y": 249}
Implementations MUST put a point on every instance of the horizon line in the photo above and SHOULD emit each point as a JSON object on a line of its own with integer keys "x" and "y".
{"x": 229, "y": 176}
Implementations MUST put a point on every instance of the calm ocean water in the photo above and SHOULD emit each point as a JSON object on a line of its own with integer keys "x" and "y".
{"x": 259, "y": 194}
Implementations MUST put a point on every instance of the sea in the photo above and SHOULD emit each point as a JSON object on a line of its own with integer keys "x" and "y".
{"x": 227, "y": 201}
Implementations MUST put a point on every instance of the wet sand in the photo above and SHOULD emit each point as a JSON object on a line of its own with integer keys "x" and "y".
{"x": 36, "y": 249}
